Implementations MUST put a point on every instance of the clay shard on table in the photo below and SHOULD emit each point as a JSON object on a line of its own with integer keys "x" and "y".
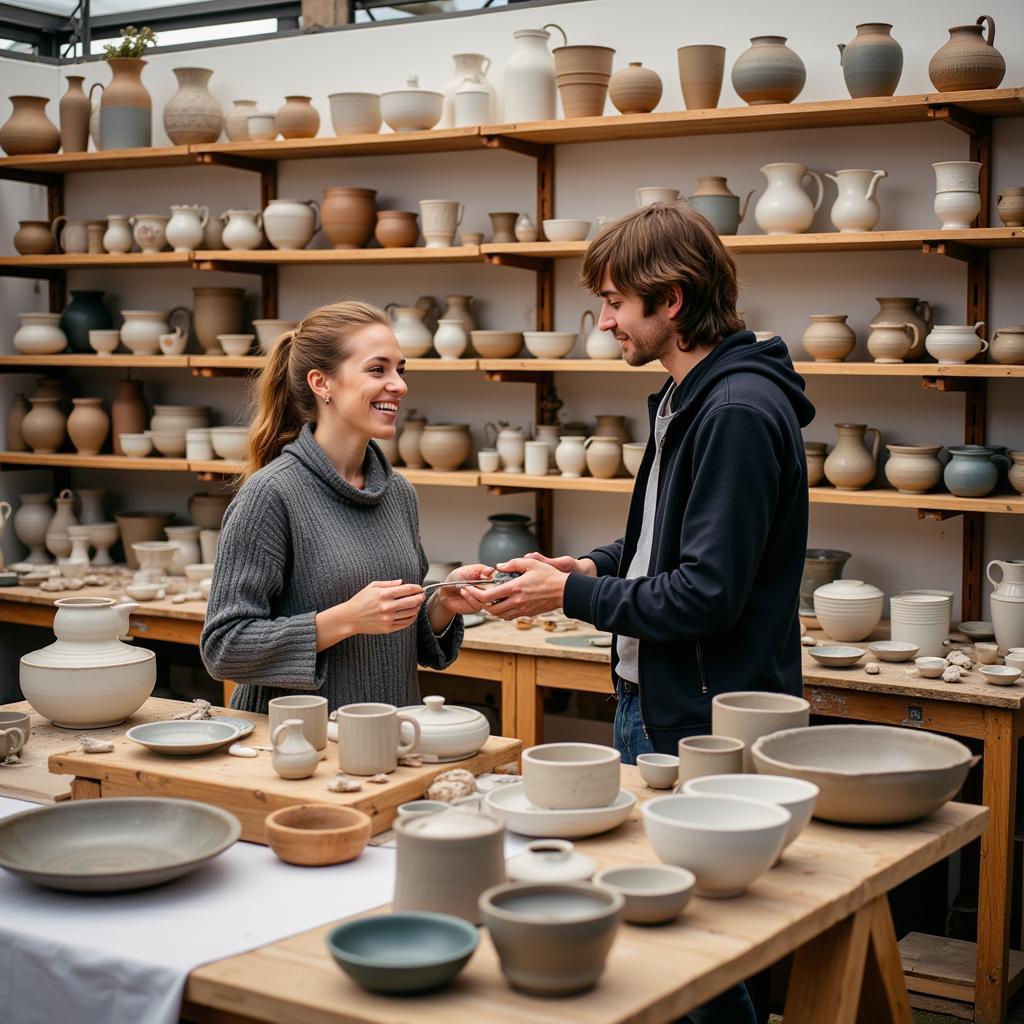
{"x": 960, "y": 659}
{"x": 342, "y": 783}
{"x": 873, "y": 670}
{"x": 11, "y": 761}
{"x": 199, "y": 713}
{"x": 238, "y": 750}
{"x": 953, "y": 674}
{"x": 380, "y": 778}
{"x": 90, "y": 745}
{"x": 808, "y": 641}
{"x": 452, "y": 785}
{"x": 410, "y": 762}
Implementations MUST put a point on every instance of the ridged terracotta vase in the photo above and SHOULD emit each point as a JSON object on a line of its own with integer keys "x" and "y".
{"x": 88, "y": 425}
{"x": 968, "y": 60}
{"x": 126, "y": 108}
{"x": 217, "y": 311}
{"x": 192, "y": 115}
{"x": 28, "y": 130}
{"x": 75, "y": 110}
{"x": 298, "y": 118}
{"x": 348, "y": 216}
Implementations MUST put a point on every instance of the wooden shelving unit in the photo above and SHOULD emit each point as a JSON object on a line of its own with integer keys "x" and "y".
{"x": 224, "y": 259}
{"x": 69, "y": 460}
{"x": 79, "y": 360}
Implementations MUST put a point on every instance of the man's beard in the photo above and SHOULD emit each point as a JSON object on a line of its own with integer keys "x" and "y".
{"x": 645, "y": 349}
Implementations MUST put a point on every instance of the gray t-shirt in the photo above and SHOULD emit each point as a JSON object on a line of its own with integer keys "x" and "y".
{"x": 628, "y": 647}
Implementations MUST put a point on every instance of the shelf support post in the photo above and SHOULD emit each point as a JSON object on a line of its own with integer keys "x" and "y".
{"x": 54, "y": 208}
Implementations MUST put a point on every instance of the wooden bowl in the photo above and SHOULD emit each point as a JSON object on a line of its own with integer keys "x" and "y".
{"x": 317, "y": 834}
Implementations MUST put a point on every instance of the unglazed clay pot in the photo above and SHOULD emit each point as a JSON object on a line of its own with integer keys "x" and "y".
{"x": 1009, "y": 207}
{"x": 913, "y": 468}
{"x": 851, "y": 466}
{"x": 582, "y": 74}
{"x": 892, "y": 343}
{"x": 88, "y": 425}
{"x": 348, "y": 216}
{"x": 397, "y": 229}
{"x": 75, "y": 111}
{"x": 414, "y": 337}
{"x": 126, "y": 108}
{"x": 445, "y": 446}
{"x": 872, "y": 61}
{"x": 290, "y": 223}
{"x": 1015, "y": 476}
{"x": 192, "y": 115}
{"x": 39, "y": 334}
{"x": 34, "y": 238}
{"x": 298, "y": 118}
{"x": 613, "y": 425}
{"x": 604, "y": 456}
{"x": 44, "y": 426}
{"x": 84, "y": 313}
{"x": 128, "y": 412}
{"x": 968, "y": 60}
{"x": 701, "y": 68}
{"x": 217, "y": 311}
{"x": 206, "y": 510}
{"x": 635, "y": 89}
{"x": 236, "y": 126}
{"x": 906, "y": 309}
{"x": 768, "y": 72}
{"x": 30, "y": 524}
{"x": 1007, "y": 346}
{"x": 450, "y": 338}
{"x": 28, "y": 130}
{"x": 829, "y": 339}
{"x": 503, "y": 227}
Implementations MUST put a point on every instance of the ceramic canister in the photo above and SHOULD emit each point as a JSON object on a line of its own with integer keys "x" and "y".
{"x": 872, "y": 61}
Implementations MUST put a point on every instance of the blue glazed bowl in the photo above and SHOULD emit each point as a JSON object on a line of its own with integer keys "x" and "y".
{"x": 402, "y": 954}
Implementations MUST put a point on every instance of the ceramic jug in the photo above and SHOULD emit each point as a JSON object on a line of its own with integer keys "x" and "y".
{"x": 149, "y": 231}
{"x": 510, "y": 443}
{"x": 970, "y": 472}
{"x": 1009, "y": 206}
{"x": 243, "y": 230}
{"x": 892, "y": 343}
{"x": 968, "y": 59}
{"x": 31, "y": 522}
{"x": 118, "y": 236}
{"x": 71, "y": 235}
{"x": 598, "y": 344}
{"x": 955, "y": 343}
{"x": 57, "y": 541}
{"x": 291, "y": 223}
{"x": 456, "y": 307}
{"x": 906, "y": 309}
{"x": 851, "y": 466}
{"x": 468, "y": 67}
{"x": 856, "y": 208}
{"x": 715, "y": 201}
{"x": 293, "y": 757}
{"x": 784, "y": 207}
{"x": 1011, "y": 577}
{"x": 509, "y": 537}
{"x": 528, "y": 91}
{"x": 571, "y": 456}
{"x": 413, "y": 335}
{"x": 185, "y": 228}
{"x": 872, "y": 61}
{"x": 913, "y": 468}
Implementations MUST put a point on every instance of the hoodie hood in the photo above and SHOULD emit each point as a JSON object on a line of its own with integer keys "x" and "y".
{"x": 742, "y": 353}
{"x": 377, "y": 470}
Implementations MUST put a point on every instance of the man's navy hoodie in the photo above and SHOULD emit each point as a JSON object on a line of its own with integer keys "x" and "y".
{"x": 718, "y": 610}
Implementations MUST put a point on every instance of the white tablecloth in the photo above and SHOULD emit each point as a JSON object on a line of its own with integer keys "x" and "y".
{"x": 124, "y": 958}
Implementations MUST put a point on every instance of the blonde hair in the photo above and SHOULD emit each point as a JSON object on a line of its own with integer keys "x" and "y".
{"x": 284, "y": 400}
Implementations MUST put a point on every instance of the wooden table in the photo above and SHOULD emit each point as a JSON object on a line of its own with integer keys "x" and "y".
{"x": 825, "y": 901}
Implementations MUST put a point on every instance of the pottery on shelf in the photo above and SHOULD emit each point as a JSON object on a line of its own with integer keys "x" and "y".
{"x": 298, "y": 118}
{"x": 126, "y": 108}
{"x": 953, "y": 343}
{"x": 72, "y": 235}
{"x": 784, "y": 207}
{"x": 614, "y": 425}
{"x": 149, "y": 231}
{"x": 118, "y": 237}
{"x": 913, "y": 468}
{"x": 906, "y": 309}
{"x": 604, "y": 456}
{"x": 440, "y": 219}
{"x": 217, "y": 311}
{"x": 15, "y": 416}
{"x": 1007, "y": 346}
{"x": 821, "y": 566}
{"x": 509, "y": 537}
{"x": 571, "y": 456}
{"x": 1015, "y": 475}
{"x": 510, "y": 444}
{"x": 348, "y": 216}
{"x": 872, "y": 61}
{"x": 635, "y": 89}
{"x": 293, "y": 756}
{"x": 192, "y": 115}
{"x": 128, "y": 412}
{"x": 450, "y": 338}
{"x": 970, "y": 472}
{"x": 236, "y": 126}
{"x": 829, "y": 339}
{"x": 44, "y": 426}
{"x": 243, "y": 230}
{"x": 445, "y": 446}
{"x": 768, "y": 72}
{"x": 39, "y": 334}
{"x": 922, "y": 619}
{"x": 75, "y": 111}
{"x": 141, "y": 330}
{"x": 88, "y": 425}
{"x": 409, "y": 439}
{"x": 84, "y": 313}
{"x": 34, "y": 238}
{"x": 582, "y": 74}
{"x": 470, "y": 68}
{"x": 143, "y": 528}
{"x": 957, "y": 197}
{"x": 893, "y": 342}
{"x": 856, "y": 208}
{"x": 1009, "y": 207}
{"x": 411, "y": 109}
{"x": 31, "y": 522}
{"x": 355, "y": 113}
{"x": 206, "y": 510}
{"x": 185, "y": 229}
{"x": 701, "y": 69}
{"x": 28, "y": 130}
{"x": 396, "y": 229}
{"x": 528, "y": 91}
{"x": 291, "y": 223}
{"x": 261, "y": 126}
{"x": 473, "y": 101}
{"x": 715, "y": 201}
{"x": 851, "y": 466}
{"x": 503, "y": 227}
{"x": 968, "y": 59}
{"x": 848, "y": 610}
{"x": 413, "y": 335}
{"x": 94, "y": 231}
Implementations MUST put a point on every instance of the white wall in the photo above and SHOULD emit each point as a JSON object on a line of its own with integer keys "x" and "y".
{"x": 890, "y": 547}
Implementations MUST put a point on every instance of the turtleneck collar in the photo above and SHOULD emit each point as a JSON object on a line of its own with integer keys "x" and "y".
{"x": 376, "y": 468}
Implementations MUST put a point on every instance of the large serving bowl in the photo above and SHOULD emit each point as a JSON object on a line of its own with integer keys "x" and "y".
{"x": 571, "y": 775}
{"x": 747, "y": 714}
{"x": 868, "y": 774}
{"x": 497, "y": 344}
{"x": 549, "y": 344}
{"x": 113, "y": 844}
{"x": 726, "y": 841}
{"x": 848, "y": 610}
{"x": 552, "y": 938}
{"x": 398, "y": 954}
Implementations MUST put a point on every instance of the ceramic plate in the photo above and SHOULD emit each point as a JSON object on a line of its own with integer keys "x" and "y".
{"x": 519, "y": 815}
{"x": 836, "y": 657}
{"x": 977, "y": 630}
{"x": 243, "y": 725}
{"x": 183, "y": 739}
{"x": 112, "y": 845}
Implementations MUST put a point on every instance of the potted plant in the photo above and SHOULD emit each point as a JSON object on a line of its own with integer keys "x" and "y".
{"x": 126, "y": 109}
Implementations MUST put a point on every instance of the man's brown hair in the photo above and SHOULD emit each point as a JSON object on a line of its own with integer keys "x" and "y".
{"x": 648, "y": 251}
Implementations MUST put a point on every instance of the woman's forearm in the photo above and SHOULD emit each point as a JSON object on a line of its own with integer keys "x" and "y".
{"x": 438, "y": 617}
{"x": 332, "y": 626}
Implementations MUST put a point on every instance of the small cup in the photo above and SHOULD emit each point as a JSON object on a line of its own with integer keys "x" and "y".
{"x": 311, "y": 710}
{"x": 15, "y": 730}
{"x": 986, "y": 653}
{"x": 659, "y": 771}
{"x": 370, "y": 738}
{"x": 488, "y": 460}
{"x": 198, "y": 445}
{"x": 104, "y": 343}
{"x": 262, "y": 127}
{"x": 538, "y": 458}
{"x": 709, "y": 755}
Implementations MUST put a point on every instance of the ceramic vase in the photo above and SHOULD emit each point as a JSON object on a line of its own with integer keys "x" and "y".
{"x": 909, "y": 310}
{"x": 28, "y": 130}
{"x": 414, "y": 337}
{"x": 90, "y": 506}
{"x": 714, "y": 200}
{"x": 397, "y": 229}
{"x": 1015, "y": 476}
{"x": 456, "y": 307}
{"x": 850, "y": 465}
{"x": 149, "y": 231}
{"x": 39, "y": 334}
{"x": 892, "y": 343}
{"x": 571, "y": 456}
{"x": 872, "y": 61}
{"x": 701, "y": 68}
{"x": 635, "y": 89}
{"x": 829, "y": 339}
{"x": 44, "y": 426}
{"x": 968, "y": 59}
{"x": 450, "y": 338}
{"x": 510, "y": 445}
{"x": 118, "y": 236}
{"x": 445, "y": 446}
{"x": 528, "y": 91}
{"x": 58, "y": 543}
{"x": 970, "y": 472}
{"x": 913, "y": 468}
{"x": 1009, "y": 207}
{"x": 821, "y": 566}
{"x": 409, "y": 440}
{"x": 355, "y": 113}
{"x": 34, "y": 238}
{"x": 236, "y": 126}
{"x": 192, "y": 115}
{"x": 291, "y": 223}
{"x": 128, "y": 412}
{"x": 243, "y": 230}
{"x": 1007, "y": 346}
{"x": 613, "y": 425}
{"x": 469, "y": 67}
{"x": 126, "y": 108}
{"x": 186, "y": 542}
{"x": 293, "y": 757}
{"x": 784, "y": 207}
{"x": 582, "y": 74}
{"x": 15, "y": 415}
{"x": 186, "y": 227}
{"x": 348, "y": 216}
{"x": 217, "y": 311}
{"x": 88, "y": 425}
{"x": 856, "y": 208}
{"x": 30, "y": 525}
{"x": 768, "y": 72}
{"x": 298, "y": 118}
{"x": 525, "y": 229}
{"x": 604, "y": 456}
{"x": 473, "y": 103}
{"x": 84, "y": 313}
{"x": 509, "y": 537}
{"x": 75, "y": 111}
{"x": 503, "y": 227}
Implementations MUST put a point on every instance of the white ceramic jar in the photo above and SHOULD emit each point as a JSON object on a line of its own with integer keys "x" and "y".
{"x": 291, "y": 223}
{"x": 186, "y": 542}
{"x": 243, "y": 230}
{"x": 784, "y": 207}
{"x": 469, "y": 67}
{"x": 39, "y": 334}
{"x": 412, "y": 334}
{"x": 953, "y": 343}
{"x": 472, "y": 103}
{"x": 450, "y": 339}
{"x": 603, "y": 455}
{"x": 856, "y": 208}
{"x": 141, "y": 330}
{"x": 571, "y": 456}
{"x": 528, "y": 91}
{"x": 150, "y": 231}
{"x": 185, "y": 228}
{"x": 118, "y": 236}
{"x": 511, "y": 447}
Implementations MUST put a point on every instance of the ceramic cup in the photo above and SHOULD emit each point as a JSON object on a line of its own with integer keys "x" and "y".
{"x": 986, "y": 653}
{"x": 538, "y": 458}
{"x": 15, "y": 729}
{"x": 709, "y": 755}
{"x": 370, "y": 740}
{"x": 311, "y": 710}
{"x": 489, "y": 460}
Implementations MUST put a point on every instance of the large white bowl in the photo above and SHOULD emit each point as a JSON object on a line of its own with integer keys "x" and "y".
{"x": 355, "y": 113}
{"x": 549, "y": 344}
{"x": 510, "y": 804}
{"x": 848, "y": 610}
{"x": 268, "y": 331}
{"x": 411, "y": 110}
{"x": 565, "y": 230}
{"x": 726, "y": 841}
{"x": 229, "y": 442}
{"x": 170, "y": 443}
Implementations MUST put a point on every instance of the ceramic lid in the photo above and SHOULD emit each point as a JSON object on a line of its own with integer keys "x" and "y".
{"x": 550, "y": 860}
{"x": 856, "y": 590}
{"x": 446, "y": 729}
{"x": 454, "y": 823}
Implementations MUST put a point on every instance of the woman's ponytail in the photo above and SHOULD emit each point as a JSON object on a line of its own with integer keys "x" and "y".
{"x": 277, "y": 422}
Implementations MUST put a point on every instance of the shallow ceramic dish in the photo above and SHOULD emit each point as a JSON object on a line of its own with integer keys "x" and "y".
{"x": 243, "y": 725}
{"x": 653, "y": 893}
{"x": 930, "y": 668}
{"x": 1000, "y": 675}
{"x": 868, "y": 774}
{"x": 183, "y": 738}
{"x": 497, "y": 344}
{"x": 398, "y": 954}
{"x": 836, "y": 656}
{"x": 313, "y": 835}
{"x": 566, "y": 230}
{"x": 519, "y": 815}
{"x": 977, "y": 630}
{"x": 588, "y": 640}
{"x": 549, "y": 344}
{"x": 893, "y": 650}
{"x": 113, "y": 845}
{"x": 659, "y": 771}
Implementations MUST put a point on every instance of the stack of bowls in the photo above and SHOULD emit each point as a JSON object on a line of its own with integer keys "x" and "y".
{"x": 921, "y": 619}
{"x": 170, "y": 423}
{"x": 848, "y": 610}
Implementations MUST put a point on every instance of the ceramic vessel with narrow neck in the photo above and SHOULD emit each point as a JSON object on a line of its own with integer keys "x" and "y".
{"x": 856, "y": 208}
{"x": 509, "y": 537}
{"x": 28, "y": 130}
{"x": 968, "y": 59}
{"x": 829, "y": 339}
{"x": 413, "y": 335}
{"x": 598, "y": 344}
{"x": 192, "y": 116}
{"x": 185, "y": 228}
{"x": 872, "y": 61}
{"x": 571, "y": 456}
{"x": 75, "y": 111}
{"x": 768, "y": 72}
{"x": 44, "y": 426}
{"x": 851, "y": 466}
{"x": 236, "y": 126}
{"x": 118, "y": 236}
{"x": 126, "y": 108}
{"x": 31, "y": 522}
{"x": 715, "y": 201}
{"x": 88, "y": 425}
{"x": 784, "y": 207}
{"x": 293, "y": 756}
{"x": 1011, "y": 577}
{"x": 906, "y": 309}
{"x": 528, "y": 90}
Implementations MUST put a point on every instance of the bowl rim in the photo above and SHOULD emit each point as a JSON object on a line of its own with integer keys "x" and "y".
{"x": 495, "y": 799}
{"x": 665, "y": 760}
{"x": 358, "y": 821}
{"x": 447, "y": 922}
{"x": 614, "y": 901}
{"x": 692, "y": 786}
{"x": 174, "y": 724}
{"x": 788, "y": 703}
{"x": 599, "y": 755}
{"x": 892, "y": 646}
{"x": 999, "y": 670}
{"x": 685, "y": 880}
{"x": 651, "y": 807}
{"x": 836, "y": 651}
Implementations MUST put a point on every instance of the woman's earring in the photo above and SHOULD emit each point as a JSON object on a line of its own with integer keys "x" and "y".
{"x": 327, "y": 399}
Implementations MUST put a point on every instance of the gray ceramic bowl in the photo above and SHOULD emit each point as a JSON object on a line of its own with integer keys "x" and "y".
{"x": 893, "y": 650}
{"x": 659, "y": 771}
{"x": 654, "y": 893}
{"x": 112, "y": 845}
{"x": 836, "y": 656}
{"x": 403, "y": 953}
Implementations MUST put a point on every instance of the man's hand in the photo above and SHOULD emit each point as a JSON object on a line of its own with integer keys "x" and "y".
{"x": 538, "y": 589}
{"x": 566, "y": 563}
{"x": 452, "y": 599}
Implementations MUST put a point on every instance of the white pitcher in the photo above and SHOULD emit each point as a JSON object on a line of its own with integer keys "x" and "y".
{"x": 243, "y": 230}
{"x": 510, "y": 443}
{"x": 413, "y": 335}
{"x": 784, "y": 207}
{"x": 185, "y": 228}
{"x": 528, "y": 91}
{"x": 598, "y": 344}
{"x": 291, "y": 223}
{"x": 468, "y": 66}
{"x": 856, "y": 208}
{"x": 1011, "y": 583}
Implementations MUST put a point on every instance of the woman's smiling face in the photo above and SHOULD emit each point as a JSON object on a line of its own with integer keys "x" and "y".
{"x": 368, "y": 388}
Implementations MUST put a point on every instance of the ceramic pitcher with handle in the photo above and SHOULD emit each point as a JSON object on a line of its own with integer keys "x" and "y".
{"x": 851, "y": 465}
{"x": 785, "y": 208}
{"x": 1011, "y": 581}
{"x": 856, "y": 208}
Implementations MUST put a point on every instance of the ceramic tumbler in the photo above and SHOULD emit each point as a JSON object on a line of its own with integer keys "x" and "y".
{"x": 311, "y": 710}
{"x": 538, "y": 456}
{"x": 709, "y": 755}
{"x": 15, "y": 729}
{"x": 489, "y": 460}
{"x": 370, "y": 740}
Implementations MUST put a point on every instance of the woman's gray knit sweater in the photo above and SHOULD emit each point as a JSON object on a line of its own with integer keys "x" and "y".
{"x": 296, "y": 540}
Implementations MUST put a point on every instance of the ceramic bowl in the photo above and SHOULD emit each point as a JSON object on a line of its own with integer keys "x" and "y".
{"x": 986, "y": 653}
{"x": 550, "y": 860}
{"x": 509, "y": 803}
{"x": 143, "y": 591}
{"x": 1011, "y": 659}
{"x": 868, "y": 774}
{"x": 567, "y": 776}
{"x": 796, "y": 795}
{"x": 977, "y": 630}
{"x": 403, "y": 953}
{"x": 72, "y": 568}
{"x": 316, "y": 834}
{"x": 471, "y": 237}
{"x": 114, "y": 844}
{"x": 411, "y": 110}
{"x": 653, "y": 893}
{"x": 268, "y": 331}
{"x": 552, "y": 938}
{"x": 633, "y": 455}
{"x": 659, "y": 771}
{"x": 1000, "y": 675}
{"x": 836, "y": 656}
{"x": 236, "y": 344}
{"x": 497, "y": 344}
{"x": 747, "y": 714}
{"x": 230, "y": 443}
{"x": 104, "y": 342}
{"x": 205, "y": 586}
{"x": 893, "y": 650}
{"x": 549, "y": 344}
{"x": 136, "y": 446}
{"x": 197, "y": 571}
{"x": 168, "y": 442}
{"x": 726, "y": 841}
{"x": 355, "y": 113}
{"x": 564, "y": 230}
{"x": 183, "y": 738}
{"x": 931, "y": 668}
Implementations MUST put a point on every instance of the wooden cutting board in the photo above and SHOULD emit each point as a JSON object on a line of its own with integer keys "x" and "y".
{"x": 249, "y": 787}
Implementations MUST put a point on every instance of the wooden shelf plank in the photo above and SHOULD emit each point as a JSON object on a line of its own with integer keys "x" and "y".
{"x": 80, "y": 359}
{"x": 885, "y": 497}
{"x": 102, "y": 160}
{"x": 555, "y": 482}
{"x": 312, "y": 257}
{"x": 440, "y": 478}
{"x": 531, "y": 365}
{"x": 221, "y": 467}
{"x": 78, "y": 261}
{"x": 155, "y": 463}
{"x": 247, "y": 363}
{"x": 943, "y": 370}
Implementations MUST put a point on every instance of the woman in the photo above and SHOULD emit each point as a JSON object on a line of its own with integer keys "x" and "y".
{"x": 317, "y": 585}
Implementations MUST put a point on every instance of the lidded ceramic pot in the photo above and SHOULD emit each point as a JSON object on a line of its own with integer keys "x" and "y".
{"x": 829, "y": 339}
{"x": 28, "y": 130}
{"x": 968, "y": 59}
{"x": 447, "y": 732}
{"x": 848, "y": 610}
{"x": 892, "y": 343}
{"x": 1007, "y": 346}
{"x": 872, "y": 61}
{"x": 192, "y": 115}
{"x": 635, "y": 89}
{"x": 913, "y": 468}
{"x": 550, "y": 860}
{"x": 906, "y": 309}
{"x": 768, "y": 72}
{"x": 850, "y": 465}
{"x": 298, "y": 118}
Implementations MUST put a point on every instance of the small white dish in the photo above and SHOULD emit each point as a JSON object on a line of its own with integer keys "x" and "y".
{"x": 893, "y": 650}
{"x": 977, "y": 630}
{"x": 183, "y": 738}
{"x": 144, "y": 591}
{"x": 236, "y": 344}
{"x": 931, "y": 668}
{"x": 549, "y": 344}
{"x": 1000, "y": 675}
{"x": 519, "y": 815}
{"x": 836, "y": 656}
{"x": 654, "y": 893}
{"x": 659, "y": 771}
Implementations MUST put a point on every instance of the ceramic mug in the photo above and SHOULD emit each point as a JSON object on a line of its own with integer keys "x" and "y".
{"x": 311, "y": 711}
{"x": 370, "y": 740}
{"x": 709, "y": 755}
{"x": 987, "y": 654}
{"x": 15, "y": 729}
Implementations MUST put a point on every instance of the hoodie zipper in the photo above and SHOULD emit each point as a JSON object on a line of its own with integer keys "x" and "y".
{"x": 700, "y": 669}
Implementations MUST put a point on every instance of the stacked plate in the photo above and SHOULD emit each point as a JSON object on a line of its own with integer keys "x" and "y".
{"x": 848, "y": 610}
{"x": 921, "y": 619}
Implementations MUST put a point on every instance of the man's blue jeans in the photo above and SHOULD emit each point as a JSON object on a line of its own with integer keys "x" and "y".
{"x": 733, "y": 1006}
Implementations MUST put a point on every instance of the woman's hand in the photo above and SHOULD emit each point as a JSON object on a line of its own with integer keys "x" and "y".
{"x": 538, "y": 588}
{"x": 452, "y": 599}
{"x": 384, "y": 606}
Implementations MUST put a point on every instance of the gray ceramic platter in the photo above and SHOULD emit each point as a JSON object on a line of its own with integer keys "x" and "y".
{"x": 112, "y": 845}
{"x": 184, "y": 738}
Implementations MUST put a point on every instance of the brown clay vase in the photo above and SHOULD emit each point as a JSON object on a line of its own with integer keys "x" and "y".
{"x": 217, "y": 311}
{"x": 88, "y": 425}
{"x": 635, "y": 89}
{"x": 28, "y": 130}
{"x": 396, "y": 229}
{"x": 126, "y": 108}
{"x": 75, "y": 110}
{"x": 968, "y": 60}
{"x": 34, "y": 238}
{"x": 128, "y": 413}
{"x": 347, "y": 216}
{"x": 298, "y": 118}
{"x": 44, "y": 426}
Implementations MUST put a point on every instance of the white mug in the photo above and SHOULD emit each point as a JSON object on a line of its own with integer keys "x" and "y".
{"x": 488, "y": 460}
{"x": 370, "y": 738}
{"x": 311, "y": 711}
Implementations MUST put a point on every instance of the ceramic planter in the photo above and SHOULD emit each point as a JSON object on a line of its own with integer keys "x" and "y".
{"x": 784, "y": 207}
{"x": 582, "y": 74}
{"x": 88, "y": 425}
{"x": 236, "y": 126}
{"x": 75, "y": 111}
{"x": 905, "y": 309}
{"x": 749, "y": 715}
{"x": 952, "y": 343}
{"x": 217, "y": 311}
{"x": 714, "y": 201}
{"x": 892, "y": 343}
{"x": 28, "y": 130}
{"x": 126, "y": 108}
{"x": 509, "y": 537}
{"x": 970, "y": 472}
{"x": 192, "y": 115}
{"x": 528, "y": 90}
{"x": 440, "y": 219}
{"x": 84, "y": 313}
{"x": 445, "y": 446}
{"x": 872, "y": 61}
{"x": 298, "y": 118}
{"x": 768, "y": 72}
{"x": 829, "y": 339}
{"x": 913, "y": 468}
{"x": 355, "y": 113}
{"x": 968, "y": 60}
{"x": 821, "y": 566}
{"x": 34, "y": 238}
{"x": 701, "y": 69}
{"x": 349, "y": 216}
{"x": 186, "y": 227}
{"x": 39, "y": 334}
{"x": 411, "y": 109}
{"x": 634, "y": 89}
{"x": 44, "y": 426}
{"x": 291, "y": 223}
{"x": 1007, "y": 346}
{"x": 850, "y": 465}
{"x": 243, "y": 230}
{"x": 856, "y": 208}
{"x": 1010, "y": 207}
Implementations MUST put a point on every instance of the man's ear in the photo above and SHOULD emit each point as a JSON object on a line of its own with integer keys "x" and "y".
{"x": 674, "y": 301}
